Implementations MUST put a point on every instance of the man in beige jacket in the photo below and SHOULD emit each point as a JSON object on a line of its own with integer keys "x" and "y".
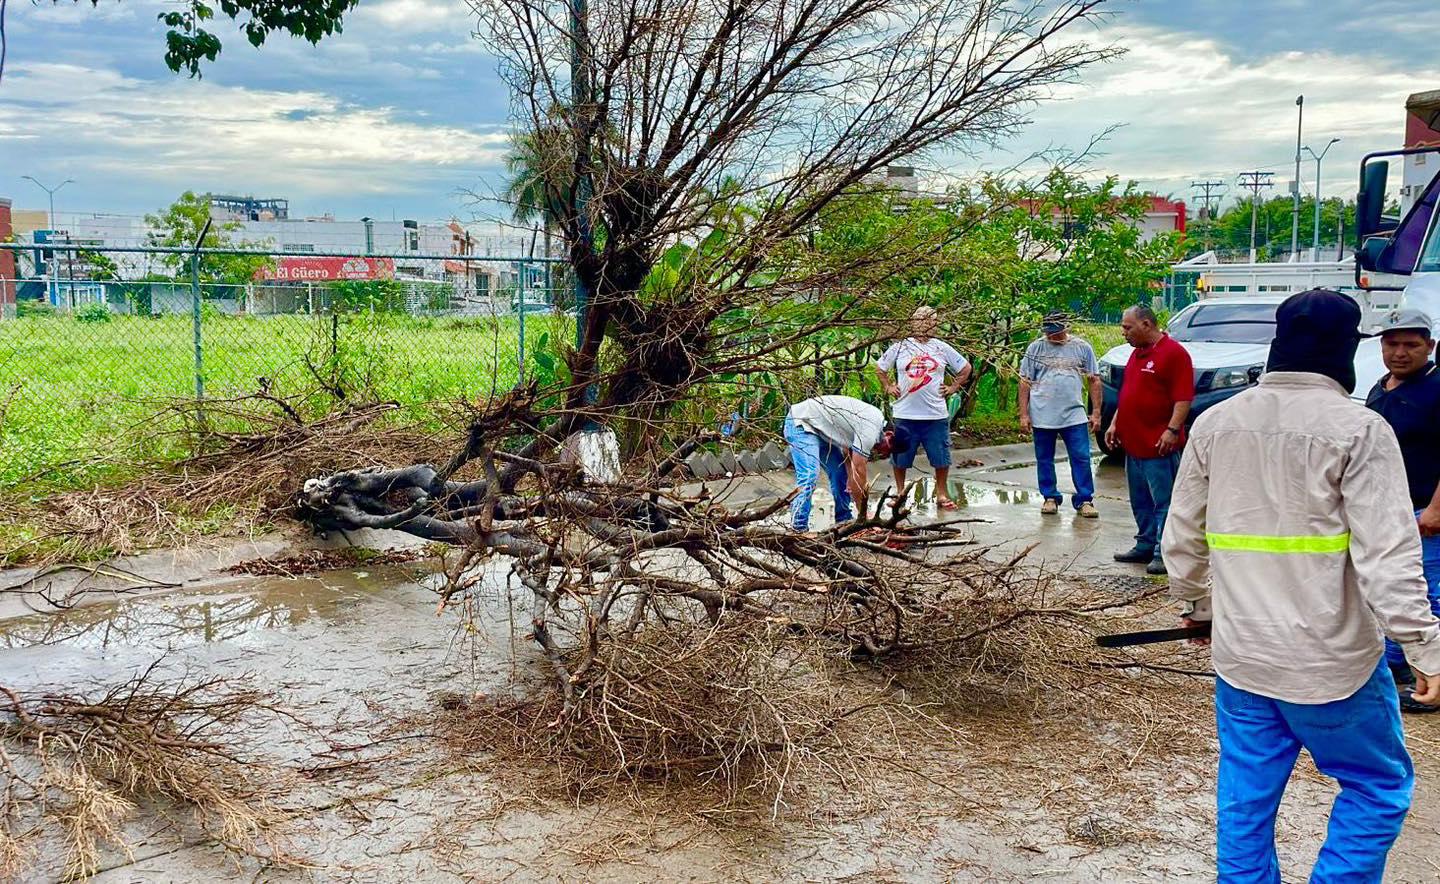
{"x": 1291, "y": 529}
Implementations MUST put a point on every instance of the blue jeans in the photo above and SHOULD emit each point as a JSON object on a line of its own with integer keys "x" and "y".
{"x": 1077, "y": 447}
{"x": 1430, "y": 551}
{"x": 1151, "y": 480}
{"x": 810, "y": 453}
{"x": 933, "y": 434}
{"x": 1358, "y": 741}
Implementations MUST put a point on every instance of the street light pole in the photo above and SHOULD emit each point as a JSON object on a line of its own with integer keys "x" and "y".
{"x": 1295, "y": 220}
{"x": 50, "y": 192}
{"x": 1315, "y": 243}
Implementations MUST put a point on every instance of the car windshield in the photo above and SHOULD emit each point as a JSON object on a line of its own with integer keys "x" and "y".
{"x": 1230, "y": 323}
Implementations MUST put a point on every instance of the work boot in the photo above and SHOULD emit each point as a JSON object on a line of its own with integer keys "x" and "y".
{"x": 1135, "y": 555}
{"x": 1156, "y": 567}
{"x": 1049, "y": 508}
{"x": 1087, "y": 511}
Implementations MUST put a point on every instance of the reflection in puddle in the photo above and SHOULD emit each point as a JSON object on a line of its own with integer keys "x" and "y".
{"x": 281, "y": 605}
{"x": 968, "y": 494}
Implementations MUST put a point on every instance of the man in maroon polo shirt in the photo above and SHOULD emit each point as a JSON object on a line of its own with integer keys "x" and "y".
{"x": 1149, "y": 425}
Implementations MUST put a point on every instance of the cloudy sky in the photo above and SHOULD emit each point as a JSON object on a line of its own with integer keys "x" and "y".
{"x": 403, "y": 113}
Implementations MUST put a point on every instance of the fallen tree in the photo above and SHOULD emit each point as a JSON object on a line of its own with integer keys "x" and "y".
{"x": 687, "y": 151}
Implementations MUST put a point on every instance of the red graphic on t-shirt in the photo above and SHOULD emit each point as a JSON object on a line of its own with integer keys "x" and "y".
{"x": 921, "y": 370}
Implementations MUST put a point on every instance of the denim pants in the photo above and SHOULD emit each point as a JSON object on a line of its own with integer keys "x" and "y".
{"x": 1430, "y": 550}
{"x": 1077, "y": 447}
{"x": 1151, "y": 480}
{"x": 810, "y": 453}
{"x": 1358, "y": 741}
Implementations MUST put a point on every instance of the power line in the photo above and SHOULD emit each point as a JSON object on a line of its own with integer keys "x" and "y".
{"x": 1209, "y": 210}
{"x": 1255, "y": 182}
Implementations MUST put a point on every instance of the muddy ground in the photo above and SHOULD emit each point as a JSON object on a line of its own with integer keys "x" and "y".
{"x": 360, "y": 653}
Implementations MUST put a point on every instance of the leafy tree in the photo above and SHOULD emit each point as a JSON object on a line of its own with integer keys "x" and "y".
{"x": 179, "y": 226}
{"x": 188, "y": 42}
{"x": 996, "y": 256}
{"x": 1229, "y": 233}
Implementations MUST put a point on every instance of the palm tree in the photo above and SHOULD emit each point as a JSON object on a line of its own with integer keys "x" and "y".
{"x": 536, "y": 191}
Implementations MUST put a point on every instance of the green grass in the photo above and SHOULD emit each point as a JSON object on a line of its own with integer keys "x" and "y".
{"x": 79, "y": 400}
{"x": 77, "y": 391}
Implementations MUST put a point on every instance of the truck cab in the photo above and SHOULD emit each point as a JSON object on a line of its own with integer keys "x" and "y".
{"x": 1389, "y": 252}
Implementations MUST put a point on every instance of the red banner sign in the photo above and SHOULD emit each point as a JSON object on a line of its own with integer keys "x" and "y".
{"x": 323, "y": 269}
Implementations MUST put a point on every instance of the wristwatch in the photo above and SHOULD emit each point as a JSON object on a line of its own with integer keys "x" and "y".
{"x": 1172, "y": 430}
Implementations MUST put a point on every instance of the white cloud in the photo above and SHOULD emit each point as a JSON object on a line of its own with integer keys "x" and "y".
{"x": 412, "y": 16}
{"x": 199, "y": 134}
{"x": 1190, "y": 108}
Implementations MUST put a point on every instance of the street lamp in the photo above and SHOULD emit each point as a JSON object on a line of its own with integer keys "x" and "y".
{"x": 1315, "y": 244}
{"x": 50, "y": 192}
{"x": 1295, "y": 212}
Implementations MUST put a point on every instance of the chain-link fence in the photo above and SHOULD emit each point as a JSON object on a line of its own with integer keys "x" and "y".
{"x": 93, "y": 351}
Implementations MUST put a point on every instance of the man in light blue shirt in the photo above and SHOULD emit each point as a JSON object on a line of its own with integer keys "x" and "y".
{"x": 1054, "y": 376}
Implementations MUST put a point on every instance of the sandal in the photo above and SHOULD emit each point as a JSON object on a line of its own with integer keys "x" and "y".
{"x": 947, "y": 504}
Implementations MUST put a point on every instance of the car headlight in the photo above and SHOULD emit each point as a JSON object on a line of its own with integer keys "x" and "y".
{"x": 1226, "y": 378}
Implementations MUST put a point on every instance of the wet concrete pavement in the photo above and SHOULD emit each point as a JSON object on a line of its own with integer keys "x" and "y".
{"x": 354, "y": 650}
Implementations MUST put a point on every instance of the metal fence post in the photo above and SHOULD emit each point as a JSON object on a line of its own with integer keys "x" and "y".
{"x": 195, "y": 326}
{"x": 520, "y": 357}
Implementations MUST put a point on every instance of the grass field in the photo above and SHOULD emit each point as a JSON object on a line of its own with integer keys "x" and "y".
{"x": 79, "y": 400}
{"x": 72, "y": 390}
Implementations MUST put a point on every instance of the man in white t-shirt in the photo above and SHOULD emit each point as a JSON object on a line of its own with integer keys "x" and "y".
{"x": 918, "y": 386}
{"x": 837, "y": 434}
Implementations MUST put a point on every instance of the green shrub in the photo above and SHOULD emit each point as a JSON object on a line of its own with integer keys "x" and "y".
{"x": 93, "y": 313}
{"x": 33, "y": 307}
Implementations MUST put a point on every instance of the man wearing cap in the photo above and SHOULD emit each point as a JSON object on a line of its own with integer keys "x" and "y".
{"x": 837, "y": 434}
{"x": 1055, "y": 373}
{"x": 1149, "y": 423}
{"x": 1291, "y": 530}
{"x": 1408, "y": 397}
{"x": 918, "y": 384}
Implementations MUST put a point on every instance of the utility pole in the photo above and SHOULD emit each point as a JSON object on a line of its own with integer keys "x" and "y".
{"x": 579, "y": 114}
{"x": 1295, "y": 185}
{"x": 1255, "y": 182}
{"x": 1207, "y": 187}
{"x": 1315, "y": 245}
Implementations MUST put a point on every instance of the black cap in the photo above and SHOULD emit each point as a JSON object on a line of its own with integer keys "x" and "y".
{"x": 1317, "y": 331}
{"x": 1321, "y": 312}
{"x": 1054, "y": 323}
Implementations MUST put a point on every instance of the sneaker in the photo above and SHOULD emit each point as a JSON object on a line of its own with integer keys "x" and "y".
{"x": 1087, "y": 511}
{"x": 1156, "y": 567}
{"x": 1135, "y": 555}
{"x": 1049, "y": 508}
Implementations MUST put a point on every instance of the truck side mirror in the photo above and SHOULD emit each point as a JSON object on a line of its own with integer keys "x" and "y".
{"x": 1373, "y": 251}
{"x": 1370, "y": 202}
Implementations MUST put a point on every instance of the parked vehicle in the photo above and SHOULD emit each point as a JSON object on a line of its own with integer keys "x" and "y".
{"x": 1228, "y": 340}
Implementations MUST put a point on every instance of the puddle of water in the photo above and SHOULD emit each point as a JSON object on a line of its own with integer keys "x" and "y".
{"x": 268, "y": 604}
{"x": 969, "y": 494}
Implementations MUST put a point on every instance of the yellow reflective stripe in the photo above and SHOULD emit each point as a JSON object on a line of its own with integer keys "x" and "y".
{"x": 1270, "y": 543}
